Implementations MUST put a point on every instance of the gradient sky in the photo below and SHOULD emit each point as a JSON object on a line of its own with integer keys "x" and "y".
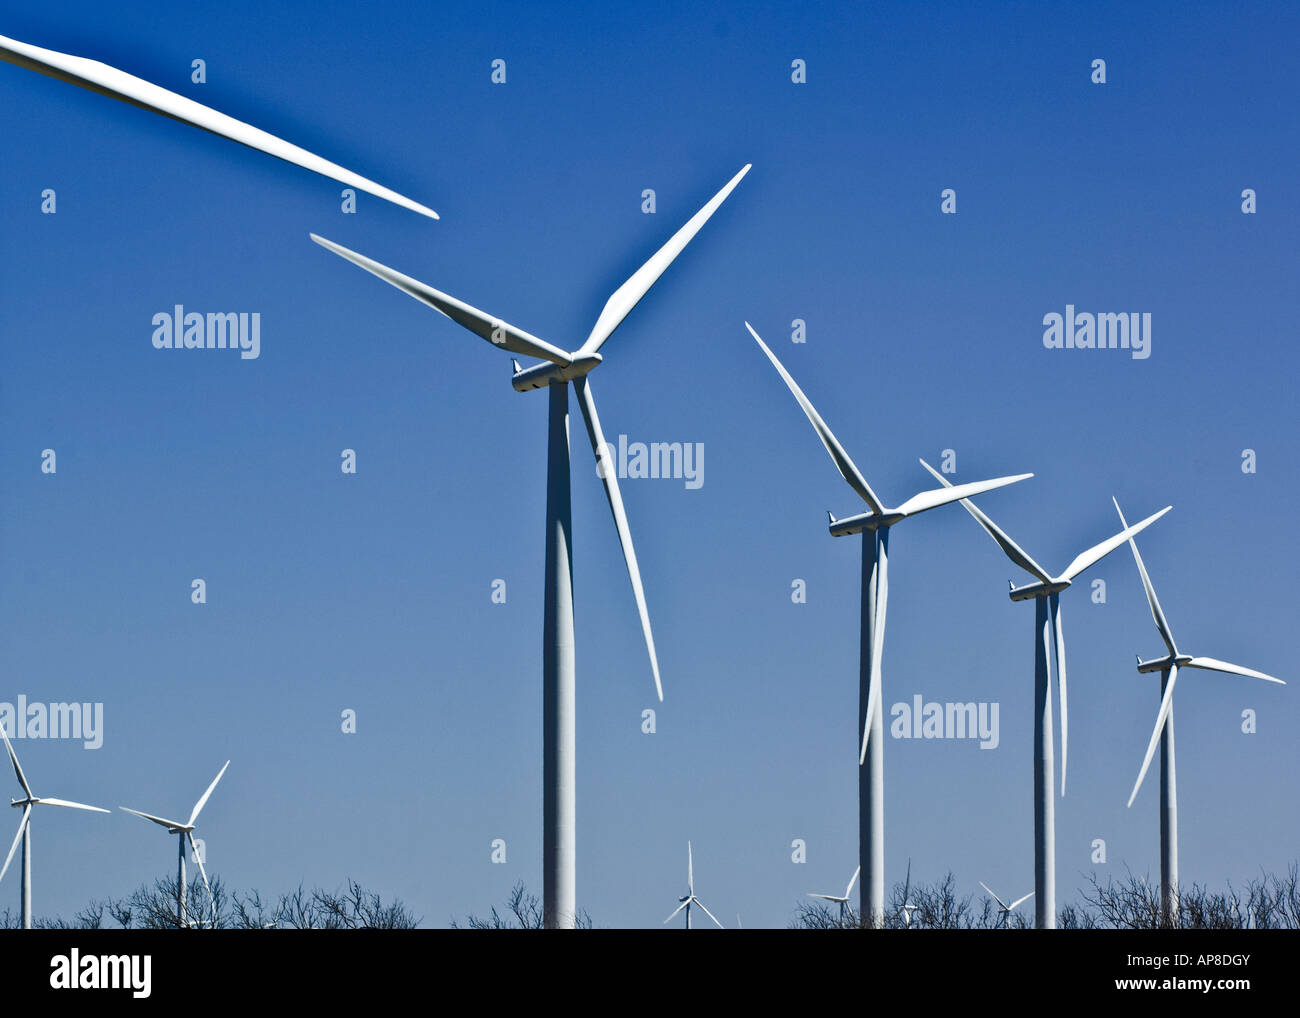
{"x": 372, "y": 592}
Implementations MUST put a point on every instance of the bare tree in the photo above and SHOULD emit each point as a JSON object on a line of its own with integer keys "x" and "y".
{"x": 523, "y": 912}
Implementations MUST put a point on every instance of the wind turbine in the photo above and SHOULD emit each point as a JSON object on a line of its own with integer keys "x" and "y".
{"x": 841, "y": 899}
{"x": 875, "y": 592}
{"x": 186, "y": 835}
{"x": 116, "y": 84}
{"x": 1005, "y": 910}
{"x": 1168, "y": 667}
{"x": 561, "y": 368}
{"x": 689, "y": 898}
{"x": 907, "y": 908}
{"x": 24, "y": 834}
{"x": 1048, "y": 636}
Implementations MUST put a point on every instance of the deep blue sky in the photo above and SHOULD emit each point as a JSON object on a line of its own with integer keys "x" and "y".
{"x": 372, "y": 592}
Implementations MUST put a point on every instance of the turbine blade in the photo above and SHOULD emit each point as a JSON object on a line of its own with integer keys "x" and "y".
{"x": 22, "y": 826}
{"x": 498, "y": 333}
{"x": 1166, "y": 704}
{"x": 1020, "y": 901}
{"x": 1058, "y": 638}
{"x": 827, "y": 897}
{"x": 942, "y": 496}
{"x": 1152, "y": 601}
{"x": 907, "y": 885}
{"x": 627, "y": 296}
{"x": 1012, "y": 550}
{"x": 13, "y": 757}
{"x": 198, "y": 858}
{"x": 991, "y": 894}
{"x": 609, "y": 475}
{"x": 116, "y": 84}
{"x": 676, "y": 911}
{"x": 847, "y": 468}
{"x": 1100, "y": 551}
{"x": 877, "y": 655}
{"x": 72, "y": 805}
{"x": 160, "y": 821}
{"x": 203, "y": 799}
{"x": 848, "y": 891}
{"x": 1214, "y": 665}
{"x": 710, "y": 914}
{"x": 690, "y": 869}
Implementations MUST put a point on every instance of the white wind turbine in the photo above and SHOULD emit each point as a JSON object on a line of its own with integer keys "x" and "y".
{"x": 24, "y": 834}
{"x": 841, "y": 899}
{"x": 185, "y": 831}
{"x": 907, "y": 908}
{"x": 875, "y": 593}
{"x": 1168, "y": 666}
{"x": 689, "y": 899}
{"x": 1049, "y": 637}
{"x": 1005, "y": 910}
{"x": 116, "y": 84}
{"x": 559, "y": 864}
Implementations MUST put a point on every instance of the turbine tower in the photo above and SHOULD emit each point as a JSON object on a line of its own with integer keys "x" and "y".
{"x": 186, "y": 835}
{"x": 559, "y": 370}
{"x": 116, "y": 84}
{"x": 1049, "y": 639}
{"x": 1168, "y": 667}
{"x": 689, "y": 899}
{"x": 875, "y": 592}
{"x": 24, "y": 834}
{"x": 1005, "y": 910}
{"x": 841, "y": 899}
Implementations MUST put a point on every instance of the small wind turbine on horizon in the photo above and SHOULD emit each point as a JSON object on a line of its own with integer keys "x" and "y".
{"x": 689, "y": 899}
{"x": 1168, "y": 666}
{"x": 99, "y": 77}
{"x": 558, "y": 370}
{"x": 24, "y": 834}
{"x": 875, "y": 593}
{"x": 1005, "y": 910}
{"x": 907, "y": 908}
{"x": 185, "y": 832}
{"x": 1049, "y": 637}
{"x": 841, "y": 899}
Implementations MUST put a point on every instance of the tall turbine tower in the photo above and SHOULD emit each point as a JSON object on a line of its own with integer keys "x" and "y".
{"x": 562, "y": 368}
{"x": 29, "y": 800}
{"x": 1168, "y": 667}
{"x": 1049, "y": 639}
{"x": 875, "y": 593}
{"x": 97, "y": 77}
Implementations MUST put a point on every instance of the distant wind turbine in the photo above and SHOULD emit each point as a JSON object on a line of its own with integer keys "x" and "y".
{"x": 186, "y": 836}
{"x": 1048, "y": 637}
{"x": 24, "y": 834}
{"x": 559, "y": 854}
{"x": 109, "y": 81}
{"x": 689, "y": 899}
{"x": 1168, "y": 667}
{"x": 875, "y": 593}
{"x": 907, "y": 908}
{"x": 1005, "y": 910}
{"x": 841, "y": 899}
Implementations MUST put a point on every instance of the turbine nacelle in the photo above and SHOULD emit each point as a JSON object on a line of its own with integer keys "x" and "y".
{"x": 1160, "y": 664}
{"x": 1032, "y": 590}
{"x": 859, "y": 522}
{"x": 539, "y": 376}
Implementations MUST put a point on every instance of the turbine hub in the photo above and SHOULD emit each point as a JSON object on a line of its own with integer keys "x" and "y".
{"x": 539, "y": 376}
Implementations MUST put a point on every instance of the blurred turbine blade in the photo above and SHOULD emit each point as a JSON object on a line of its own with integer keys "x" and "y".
{"x": 994, "y": 896}
{"x": 22, "y": 826}
{"x": 609, "y": 476}
{"x": 203, "y": 799}
{"x": 627, "y": 296}
{"x": 127, "y": 88}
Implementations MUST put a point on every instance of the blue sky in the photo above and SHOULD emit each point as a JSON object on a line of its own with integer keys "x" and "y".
{"x": 372, "y": 592}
